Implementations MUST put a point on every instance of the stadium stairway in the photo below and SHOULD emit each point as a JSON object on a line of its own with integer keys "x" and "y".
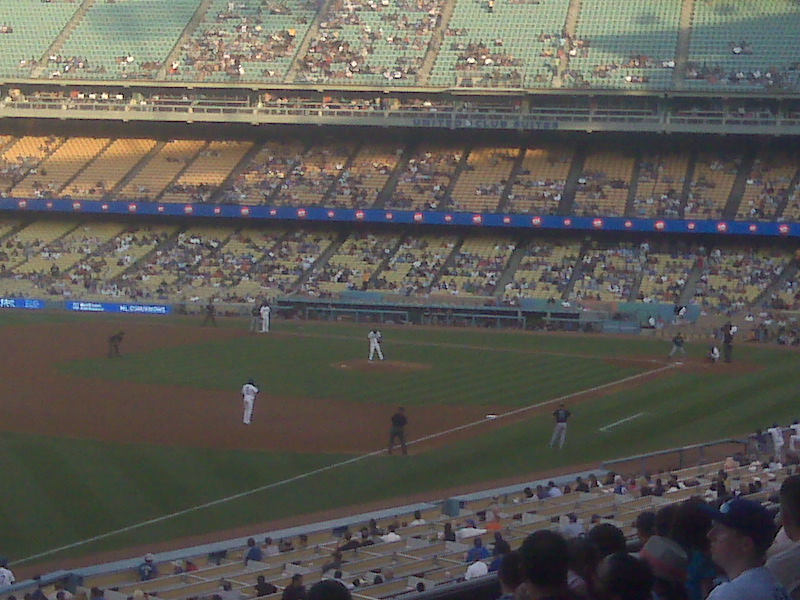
{"x": 684, "y": 41}
{"x": 577, "y": 271}
{"x": 450, "y": 261}
{"x": 186, "y": 34}
{"x": 737, "y": 190}
{"x": 58, "y": 42}
{"x": 633, "y": 187}
{"x": 462, "y": 166}
{"x": 571, "y": 186}
{"x": 133, "y": 173}
{"x": 86, "y": 165}
{"x": 687, "y": 182}
{"x": 227, "y": 185}
{"x": 424, "y": 74}
{"x": 311, "y": 34}
{"x": 570, "y": 29}
{"x": 187, "y": 165}
{"x": 511, "y": 268}
{"x": 330, "y": 193}
{"x": 391, "y": 184}
{"x": 690, "y": 287}
{"x": 381, "y": 266}
{"x": 785, "y": 202}
{"x": 512, "y": 178}
{"x": 789, "y": 274}
{"x": 321, "y": 261}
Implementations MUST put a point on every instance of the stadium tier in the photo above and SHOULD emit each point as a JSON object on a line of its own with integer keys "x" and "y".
{"x": 541, "y": 178}
{"x": 658, "y": 45}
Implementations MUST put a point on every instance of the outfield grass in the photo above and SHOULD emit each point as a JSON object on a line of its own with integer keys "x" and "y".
{"x": 65, "y": 490}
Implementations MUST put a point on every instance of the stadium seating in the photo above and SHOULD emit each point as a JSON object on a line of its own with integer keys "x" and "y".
{"x": 161, "y": 170}
{"x": 625, "y": 45}
{"x": 369, "y": 42}
{"x": 314, "y": 174}
{"x": 294, "y": 257}
{"x": 476, "y": 267}
{"x": 354, "y": 263}
{"x": 743, "y": 45}
{"x": 244, "y": 41}
{"x": 544, "y": 271}
{"x": 122, "y": 40}
{"x": 734, "y": 278}
{"x": 661, "y": 179}
{"x": 24, "y": 155}
{"x": 416, "y": 263}
{"x": 768, "y": 186}
{"x": 55, "y": 171}
{"x": 540, "y": 181}
{"x": 511, "y": 44}
{"x": 34, "y": 25}
{"x": 109, "y": 168}
{"x": 609, "y": 273}
{"x": 209, "y": 170}
{"x": 480, "y": 186}
{"x": 366, "y": 176}
{"x": 427, "y": 178}
{"x": 604, "y": 184}
{"x": 264, "y": 173}
{"x": 666, "y": 272}
{"x": 714, "y": 176}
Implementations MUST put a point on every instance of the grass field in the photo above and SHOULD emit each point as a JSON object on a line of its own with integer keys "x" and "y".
{"x": 65, "y": 490}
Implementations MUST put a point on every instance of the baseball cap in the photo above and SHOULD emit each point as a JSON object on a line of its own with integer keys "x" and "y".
{"x": 748, "y": 518}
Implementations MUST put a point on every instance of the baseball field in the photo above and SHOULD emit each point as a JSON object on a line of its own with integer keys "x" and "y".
{"x": 105, "y": 456}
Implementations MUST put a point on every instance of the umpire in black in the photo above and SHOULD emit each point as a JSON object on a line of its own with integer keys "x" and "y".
{"x": 727, "y": 342}
{"x": 398, "y": 430}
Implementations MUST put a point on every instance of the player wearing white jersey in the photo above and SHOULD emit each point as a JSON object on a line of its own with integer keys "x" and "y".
{"x": 375, "y": 338}
{"x": 249, "y": 391}
{"x": 264, "y": 311}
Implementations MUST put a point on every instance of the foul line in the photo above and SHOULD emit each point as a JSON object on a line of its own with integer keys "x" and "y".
{"x": 620, "y": 422}
{"x": 337, "y": 465}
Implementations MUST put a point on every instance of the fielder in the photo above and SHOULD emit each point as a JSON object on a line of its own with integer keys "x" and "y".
{"x": 375, "y": 338}
{"x": 561, "y": 416}
{"x": 249, "y": 391}
{"x": 255, "y": 319}
{"x": 264, "y": 312}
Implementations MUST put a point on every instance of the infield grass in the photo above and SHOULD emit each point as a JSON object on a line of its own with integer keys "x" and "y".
{"x": 69, "y": 490}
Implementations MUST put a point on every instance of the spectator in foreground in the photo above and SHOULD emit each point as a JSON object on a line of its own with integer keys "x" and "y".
{"x": 295, "y": 590}
{"x": 690, "y": 527}
{"x": 510, "y": 575}
{"x": 328, "y": 590}
{"x": 608, "y": 539}
{"x": 785, "y": 566}
{"x": 148, "y": 569}
{"x": 545, "y": 563}
{"x": 6, "y": 575}
{"x": 743, "y": 531}
{"x": 624, "y": 577}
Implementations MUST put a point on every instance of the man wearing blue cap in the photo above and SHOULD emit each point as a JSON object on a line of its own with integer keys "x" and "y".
{"x": 743, "y": 531}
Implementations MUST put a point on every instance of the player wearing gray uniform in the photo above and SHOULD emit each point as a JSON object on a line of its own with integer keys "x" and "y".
{"x": 561, "y": 415}
{"x": 264, "y": 311}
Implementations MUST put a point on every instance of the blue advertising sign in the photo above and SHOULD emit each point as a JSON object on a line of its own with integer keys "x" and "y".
{"x": 113, "y": 307}
{"x": 22, "y": 303}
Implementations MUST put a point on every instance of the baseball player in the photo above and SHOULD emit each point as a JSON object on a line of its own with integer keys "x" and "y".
{"x": 677, "y": 346}
{"x": 255, "y": 318}
{"x": 375, "y": 338}
{"x": 249, "y": 391}
{"x": 113, "y": 344}
{"x": 713, "y": 354}
{"x": 264, "y": 312}
{"x": 561, "y": 415}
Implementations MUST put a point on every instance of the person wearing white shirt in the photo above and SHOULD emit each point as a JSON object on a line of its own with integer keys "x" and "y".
{"x": 264, "y": 312}
{"x": 476, "y": 569}
{"x": 777, "y": 440}
{"x": 6, "y": 576}
{"x": 794, "y": 438}
{"x": 391, "y": 535}
{"x": 249, "y": 391}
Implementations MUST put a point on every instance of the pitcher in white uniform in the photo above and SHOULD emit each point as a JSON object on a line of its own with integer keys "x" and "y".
{"x": 264, "y": 311}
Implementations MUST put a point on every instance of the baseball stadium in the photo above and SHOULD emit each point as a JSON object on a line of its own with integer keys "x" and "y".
{"x": 453, "y": 259}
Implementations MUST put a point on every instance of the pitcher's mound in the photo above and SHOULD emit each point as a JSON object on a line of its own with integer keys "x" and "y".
{"x": 383, "y": 366}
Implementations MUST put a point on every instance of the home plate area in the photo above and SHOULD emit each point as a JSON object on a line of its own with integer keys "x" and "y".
{"x": 383, "y": 366}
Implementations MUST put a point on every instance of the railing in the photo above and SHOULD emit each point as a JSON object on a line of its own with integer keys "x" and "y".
{"x": 682, "y": 454}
